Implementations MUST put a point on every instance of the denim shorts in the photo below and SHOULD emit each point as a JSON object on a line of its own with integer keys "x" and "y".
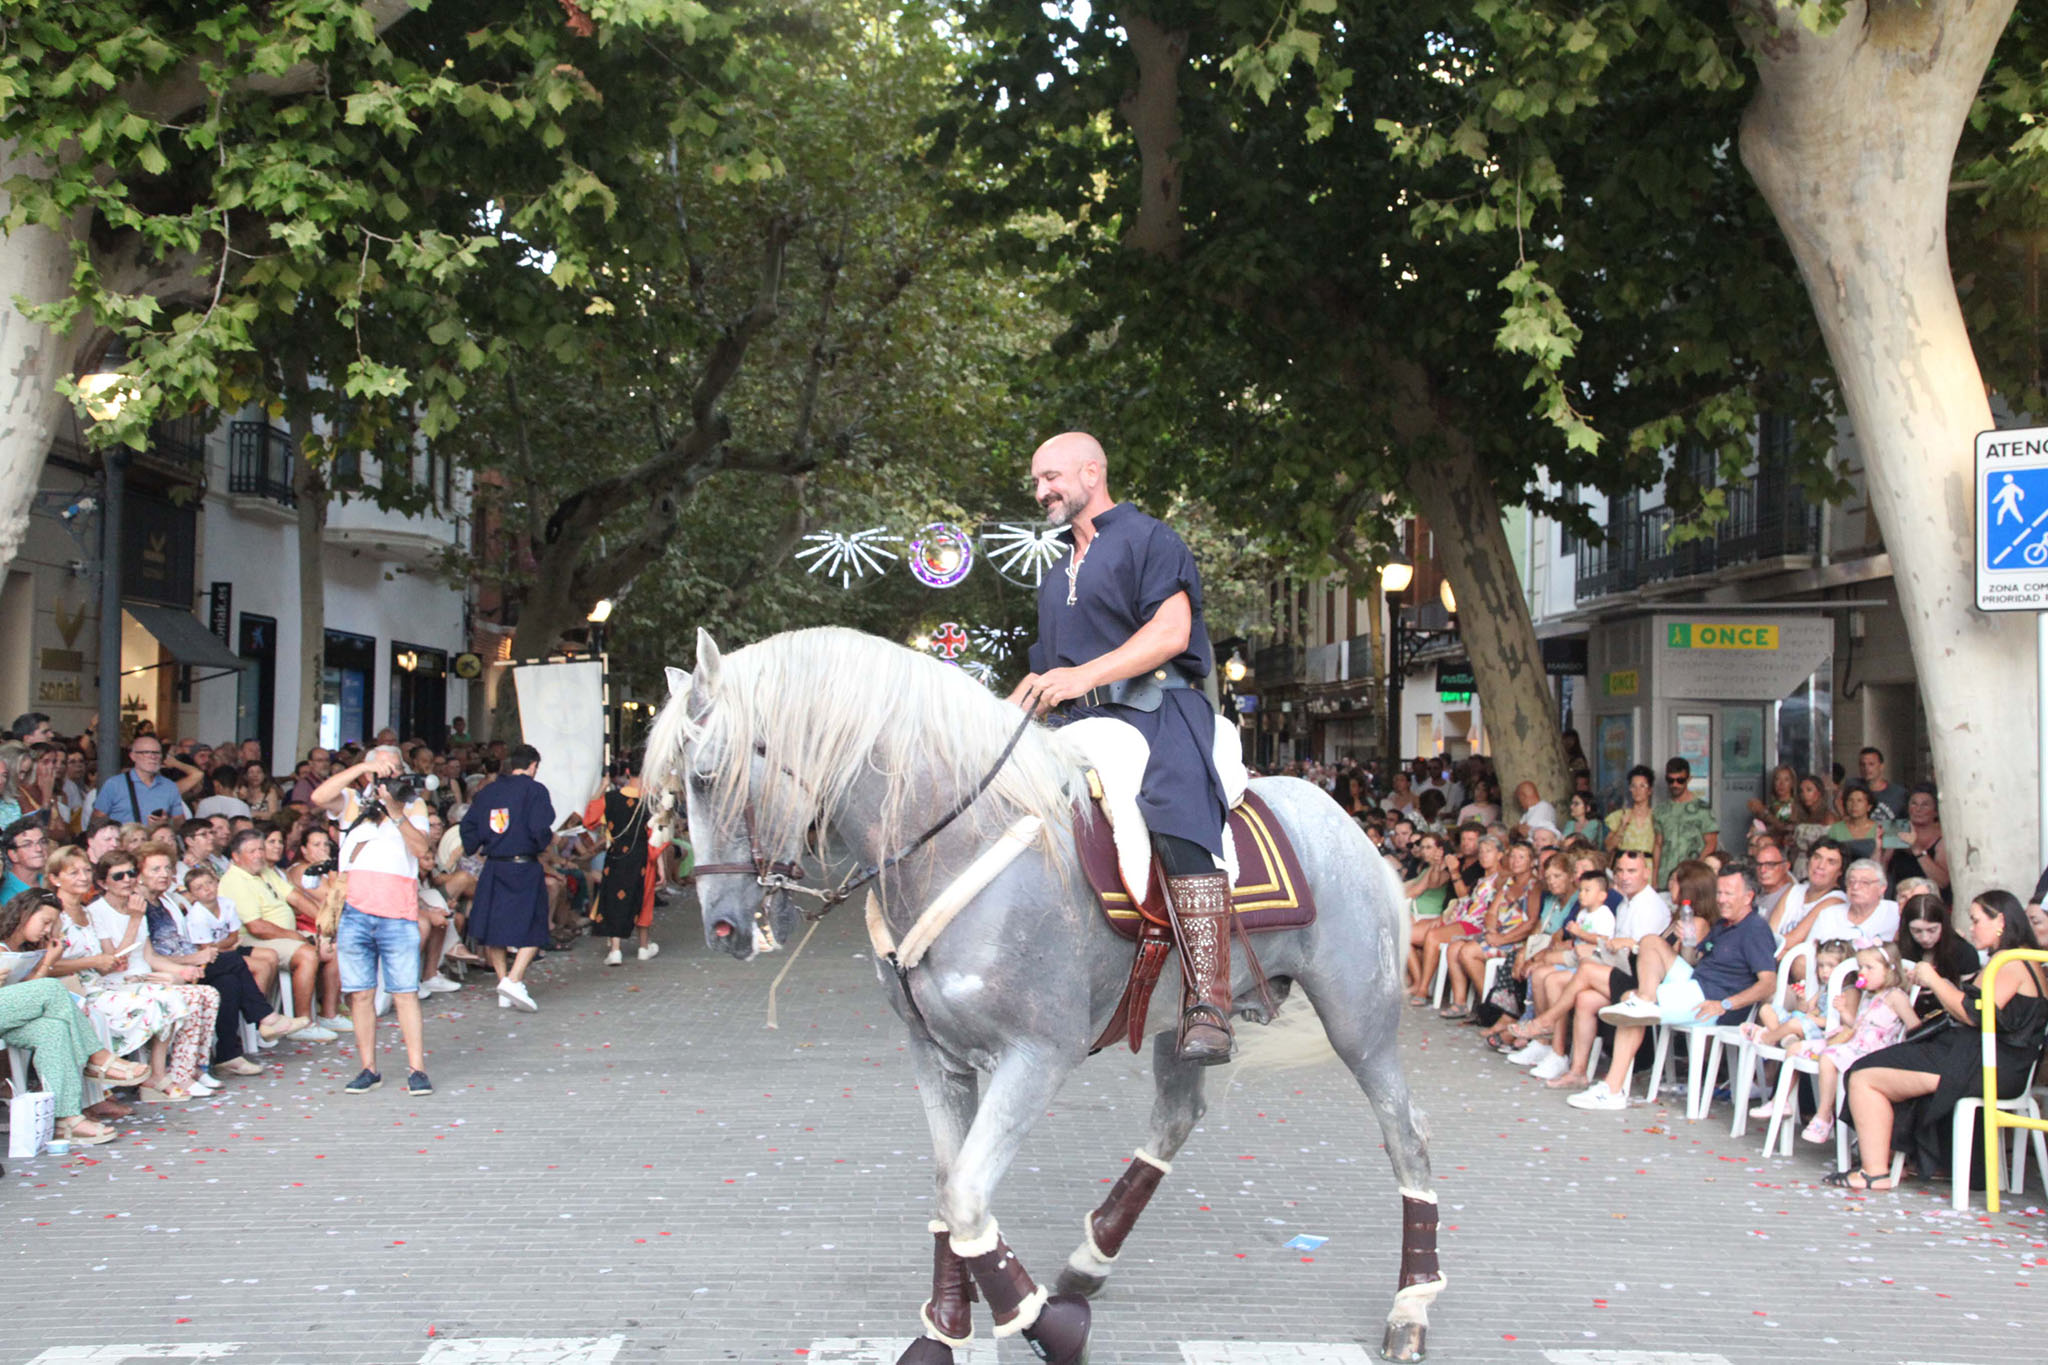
{"x": 365, "y": 943}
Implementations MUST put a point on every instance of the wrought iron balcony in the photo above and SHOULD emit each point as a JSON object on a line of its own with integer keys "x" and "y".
{"x": 260, "y": 462}
{"x": 1764, "y": 521}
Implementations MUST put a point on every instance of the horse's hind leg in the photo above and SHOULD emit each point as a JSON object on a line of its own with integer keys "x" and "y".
{"x": 1360, "y": 1017}
{"x": 1023, "y": 1083}
{"x": 947, "y": 1317}
{"x": 1176, "y": 1109}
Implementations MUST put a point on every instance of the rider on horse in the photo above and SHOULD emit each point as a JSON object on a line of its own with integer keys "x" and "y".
{"x": 1120, "y": 634}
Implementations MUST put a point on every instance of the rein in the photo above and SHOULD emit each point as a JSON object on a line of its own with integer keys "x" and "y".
{"x": 784, "y": 877}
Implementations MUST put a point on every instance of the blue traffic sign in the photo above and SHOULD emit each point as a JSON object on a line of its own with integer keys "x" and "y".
{"x": 2015, "y": 519}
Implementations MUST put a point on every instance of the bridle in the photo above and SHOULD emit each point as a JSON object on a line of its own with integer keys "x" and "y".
{"x": 785, "y": 878}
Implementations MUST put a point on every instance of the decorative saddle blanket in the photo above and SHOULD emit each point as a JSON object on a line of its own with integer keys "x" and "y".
{"x": 1267, "y": 891}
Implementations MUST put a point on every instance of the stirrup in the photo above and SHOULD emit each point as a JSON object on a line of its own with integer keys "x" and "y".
{"x": 1202, "y": 1012}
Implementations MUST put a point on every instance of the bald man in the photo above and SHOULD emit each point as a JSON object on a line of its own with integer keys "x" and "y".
{"x": 1120, "y": 634}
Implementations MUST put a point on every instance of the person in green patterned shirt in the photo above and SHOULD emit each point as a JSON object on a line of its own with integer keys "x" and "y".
{"x": 1686, "y": 825}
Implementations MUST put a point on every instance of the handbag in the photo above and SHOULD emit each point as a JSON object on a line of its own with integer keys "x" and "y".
{"x": 31, "y": 1123}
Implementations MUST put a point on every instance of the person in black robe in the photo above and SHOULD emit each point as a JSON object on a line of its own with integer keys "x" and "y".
{"x": 1120, "y": 634}
{"x": 625, "y": 896}
{"x": 511, "y": 823}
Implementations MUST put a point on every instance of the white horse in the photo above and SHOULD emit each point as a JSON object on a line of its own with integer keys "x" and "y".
{"x": 830, "y": 733}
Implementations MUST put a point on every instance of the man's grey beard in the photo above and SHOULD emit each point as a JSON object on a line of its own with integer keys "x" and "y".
{"x": 1060, "y": 514}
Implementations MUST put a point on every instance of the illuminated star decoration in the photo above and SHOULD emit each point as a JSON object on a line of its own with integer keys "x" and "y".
{"x": 1022, "y": 554}
{"x": 981, "y": 671}
{"x": 847, "y": 557}
{"x": 941, "y": 555}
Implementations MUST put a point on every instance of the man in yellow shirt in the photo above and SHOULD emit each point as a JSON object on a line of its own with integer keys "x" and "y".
{"x": 262, "y": 898}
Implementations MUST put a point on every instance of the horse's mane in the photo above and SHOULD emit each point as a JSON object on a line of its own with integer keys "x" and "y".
{"x": 829, "y": 706}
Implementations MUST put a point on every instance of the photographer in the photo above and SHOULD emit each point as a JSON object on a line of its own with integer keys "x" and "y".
{"x": 512, "y": 824}
{"x": 384, "y": 836}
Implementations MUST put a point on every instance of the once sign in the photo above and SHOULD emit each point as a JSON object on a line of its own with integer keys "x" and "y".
{"x": 2012, "y": 520}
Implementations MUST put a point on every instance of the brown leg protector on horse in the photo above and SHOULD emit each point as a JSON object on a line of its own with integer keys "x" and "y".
{"x": 947, "y": 1314}
{"x": 1056, "y": 1327}
{"x": 1201, "y": 916}
{"x": 1418, "y": 1241}
{"x": 1114, "y": 1218}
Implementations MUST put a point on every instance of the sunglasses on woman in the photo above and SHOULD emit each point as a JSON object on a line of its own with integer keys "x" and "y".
{"x": 126, "y": 874}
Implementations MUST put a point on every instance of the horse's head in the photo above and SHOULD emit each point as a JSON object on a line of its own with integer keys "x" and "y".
{"x": 694, "y": 749}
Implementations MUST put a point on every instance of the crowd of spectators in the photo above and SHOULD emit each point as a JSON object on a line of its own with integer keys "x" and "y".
{"x": 165, "y": 925}
{"x": 1552, "y": 936}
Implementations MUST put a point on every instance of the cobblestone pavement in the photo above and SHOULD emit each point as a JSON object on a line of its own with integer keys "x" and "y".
{"x": 642, "y": 1172}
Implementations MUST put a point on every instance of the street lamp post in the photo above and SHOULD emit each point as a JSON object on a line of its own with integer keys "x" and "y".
{"x": 1405, "y": 640}
{"x": 105, "y": 392}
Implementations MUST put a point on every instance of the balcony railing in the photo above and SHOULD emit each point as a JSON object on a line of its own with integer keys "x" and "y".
{"x": 260, "y": 462}
{"x": 1763, "y": 521}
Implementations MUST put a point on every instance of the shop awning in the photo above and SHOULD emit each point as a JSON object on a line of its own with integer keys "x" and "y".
{"x": 181, "y": 635}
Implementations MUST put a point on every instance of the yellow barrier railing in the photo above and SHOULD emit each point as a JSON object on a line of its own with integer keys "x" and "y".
{"x": 1994, "y": 1117}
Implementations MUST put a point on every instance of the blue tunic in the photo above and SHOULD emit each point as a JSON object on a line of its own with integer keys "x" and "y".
{"x": 1132, "y": 566}
{"x": 512, "y": 817}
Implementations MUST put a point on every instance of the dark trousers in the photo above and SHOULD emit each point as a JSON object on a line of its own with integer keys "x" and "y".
{"x": 241, "y": 1001}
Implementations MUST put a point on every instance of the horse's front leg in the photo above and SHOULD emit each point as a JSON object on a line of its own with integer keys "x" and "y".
{"x": 1024, "y": 1082}
{"x": 1176, "y": 1108}
{"x": 950, "y": 1098}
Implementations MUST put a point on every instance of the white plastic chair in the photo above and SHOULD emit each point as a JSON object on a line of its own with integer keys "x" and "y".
{"x": 1749, "y": 1055}
{"x": 1443, "y": 975}
{"x": 1963, "y": 1145}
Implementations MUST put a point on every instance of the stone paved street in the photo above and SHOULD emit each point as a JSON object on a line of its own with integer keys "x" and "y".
{"x": 642, "y": 1172}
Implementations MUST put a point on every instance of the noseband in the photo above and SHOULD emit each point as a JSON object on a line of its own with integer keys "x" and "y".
{"x": 782, "y": 878}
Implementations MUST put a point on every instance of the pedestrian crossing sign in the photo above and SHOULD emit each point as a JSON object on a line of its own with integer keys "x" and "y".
{"x": 2012, "y": 520}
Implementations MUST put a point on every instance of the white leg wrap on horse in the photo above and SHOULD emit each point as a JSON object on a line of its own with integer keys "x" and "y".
{"x": 967, "y": 1248}
{"x": 1027, "y": 1313}
{"x": 1411, "y": 1305}
{"x": 1088, "y": 1258}
{"x": 924, "y": 1313}
{"x": 1163, "y": 1167}
{"x": 1428, "y": 1196}
{"x": 936, "y": 1225}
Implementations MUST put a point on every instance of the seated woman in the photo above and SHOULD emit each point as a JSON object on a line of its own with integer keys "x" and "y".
{"x": 1928, "y": 934}
{"x": 310, "y": 855}
{"x": 1909, "y": 1091}
{"x": 1547, "y": 1045}
{"x": 1461, "y": 919}
{"x": 119, "y": 919}
{"x": 1510, "y": 921}
{"x": 1427, "y": 890}
{"x": 242, "y": 1001}
{"x": 41, "y": 1018}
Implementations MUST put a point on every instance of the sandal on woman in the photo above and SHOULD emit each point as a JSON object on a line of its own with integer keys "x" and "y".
{"x": 1418, "y": 1000}
{"x": 116, "y": 1070}
{"x": 169, "y": 1095}
{"x": 1859, "y": 1180}
{"x": 84, "y": 1132}
{"x": 1453, "y": 1013}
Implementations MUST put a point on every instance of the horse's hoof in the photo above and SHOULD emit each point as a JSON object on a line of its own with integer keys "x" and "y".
{"x": 1404, "y": 1341}
{"x": 1060, "y": 1335}
{"x": 925, "y": 1351}
{"x": 1072, "y": 1281}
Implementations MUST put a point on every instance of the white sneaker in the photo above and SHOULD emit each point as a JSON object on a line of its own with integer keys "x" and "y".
{"x": 516, "y": 992}
{"x": 438, "y": 984}
{"x": 1597, "y": 1096}
{"x": 204, "y": 1084}
{"x": 649, "y": 951}
{"x": 1632, "y": 1009}
{"x": 340, "y": 1023}
{"x": 1538, "y": 1051}
{"x": 313, "y": 1033}
{"x": 504, "y": 1002}
{"x": 614, "y": 958}
{"x": 1551, "y": 1067}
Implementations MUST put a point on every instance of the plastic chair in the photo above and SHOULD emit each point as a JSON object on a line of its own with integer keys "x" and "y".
{"x": 1963, "y": 1144}
{"x": 1748, "y": 1054}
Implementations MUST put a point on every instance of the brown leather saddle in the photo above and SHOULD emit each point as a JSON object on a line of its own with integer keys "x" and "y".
{"x": 1270, "y": 893}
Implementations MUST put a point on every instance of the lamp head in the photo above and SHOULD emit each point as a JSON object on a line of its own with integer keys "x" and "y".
{"x": 1396, "y": 575}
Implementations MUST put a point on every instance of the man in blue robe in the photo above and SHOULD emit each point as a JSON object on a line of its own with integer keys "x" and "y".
{"x": 1120, "y": 634}
{"x": 511, "y": 823}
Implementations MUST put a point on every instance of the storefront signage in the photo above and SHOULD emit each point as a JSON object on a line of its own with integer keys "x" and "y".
{"x": 1719, "y": 635}
{"x": 1455, "y": 698}
{"x": 1622, "y": 683}
{"x": 220, "y": 611}
{"x": 1564, "y": 656}
{"x": 1455, "y": 677}
{"x": 158, "y": 537}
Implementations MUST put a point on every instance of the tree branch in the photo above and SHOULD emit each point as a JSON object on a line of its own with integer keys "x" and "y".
{"x": 180, "y": 90}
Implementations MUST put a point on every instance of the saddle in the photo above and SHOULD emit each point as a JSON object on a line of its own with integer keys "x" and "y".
{"x": 1268, "y": 892}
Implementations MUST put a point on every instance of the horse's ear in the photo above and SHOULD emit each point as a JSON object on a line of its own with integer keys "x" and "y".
{"x": 705, "y": 679}
{"x": 708, "y": 659}
{"x": 678, "y": 682}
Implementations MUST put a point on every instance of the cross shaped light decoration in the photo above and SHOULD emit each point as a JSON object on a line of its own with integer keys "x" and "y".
{"x": 849, "y": 556}
{"x": 1022, "y": 554}
{"x": 949, "y": 640}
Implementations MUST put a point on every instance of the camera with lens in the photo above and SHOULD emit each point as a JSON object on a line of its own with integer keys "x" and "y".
{"x": 322, "y": 869}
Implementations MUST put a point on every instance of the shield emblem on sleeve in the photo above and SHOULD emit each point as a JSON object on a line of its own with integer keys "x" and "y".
{"x": 501, "y": 820}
